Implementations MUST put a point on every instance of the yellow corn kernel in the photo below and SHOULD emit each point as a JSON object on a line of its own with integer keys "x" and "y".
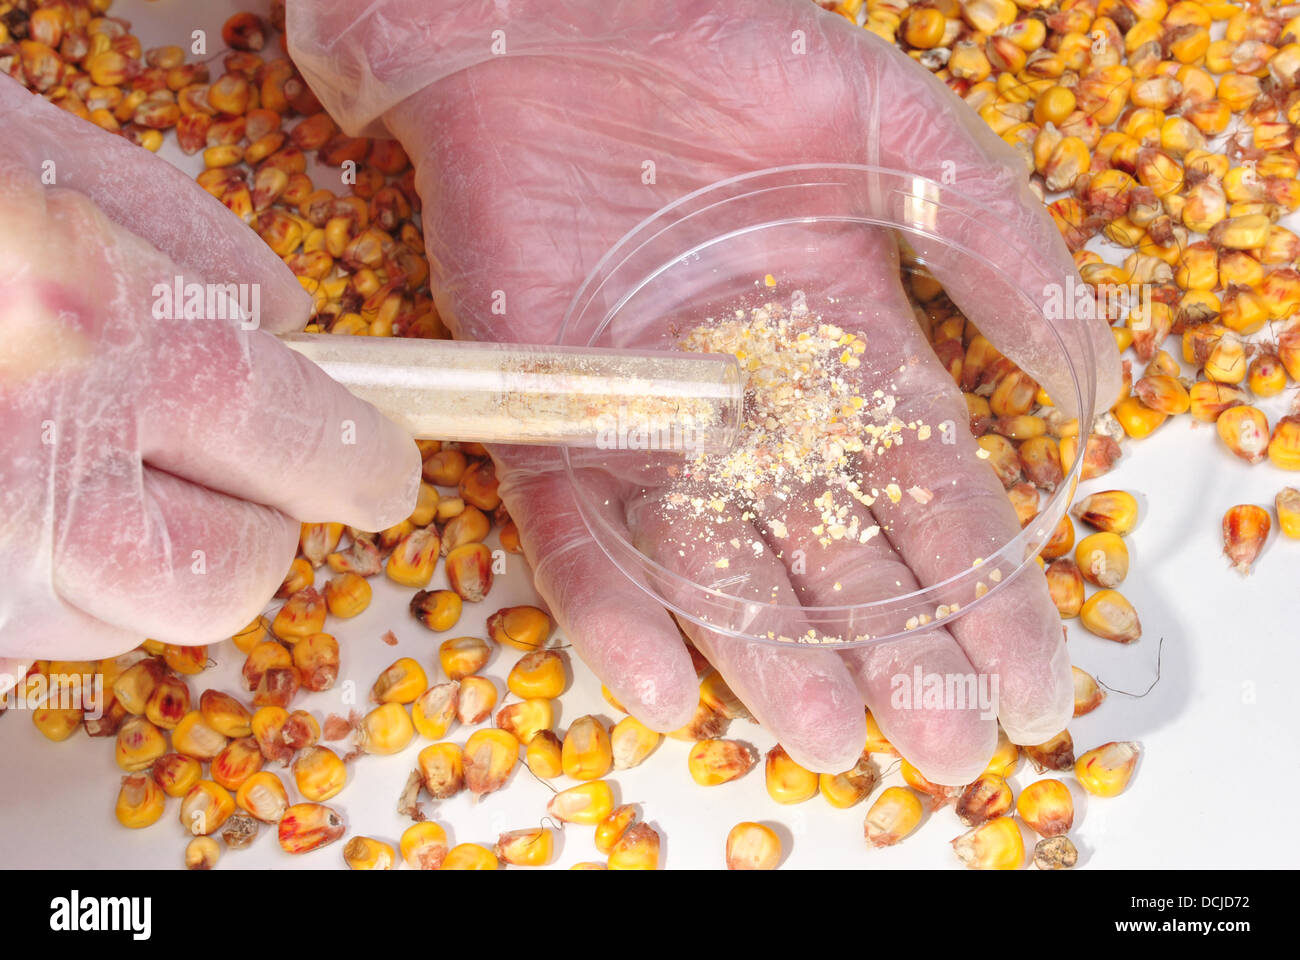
{"x": 1109, "y": 615}
{"x": 588, "y": 803}
{"x": 202, "y": 853}
{"x": 462, "y": 656}
{"x": 1006, "y": 757}
{"x": 1288, "y": 512}
{"x": 309, "y": 826}
{"x": 469, "y": 571}
{"x": 1102, "y": 559}
{"x": 435, "y": 709}
{"x": 924, "y": 28}
{"x": 140, "y": 801}
{"x": 1245, "y": 529}
{"x": 876, "y": 742}
{"x": 1056, "y": 753}
{"x": 544, "y": 755}
{"x": 476, "y": 700}
{"x": 524, "y": 628}
{"x": 993, "y": 845}
{"x": 413, "y": 559}
{"x": 194, "y": 738}
{"x": 753, "y": 846}
{"x": 1226, "y": 362}
{"x": 614, "y": 826}
{"x": 236, "y": 763}
{"x": 894, "y": 815}
{"x": 1112, "y": 511}
{"x": 263, "y": 797}
{"x": 1163, "y": 394}
{"x": 300, "y": 577}
{"x": 267, "y": 726}
{"x": 56, "y": 723}
{"x": 426, "y": 505}
{"x": 940, "y": 794}
{"x": 386, "y": 729}
{"x": 531, "y": 847}
{"x": 1065, "y": 584}
{"x": 437, "y": 609}
{"x": 316, "y": 660}
{"x": 300, "y": 730}
{"x": 135, "y": 685}
{"x": 631, "y": 741}
{"x": 347, "y": 595}
{"x": 470, "y": 856}
{"x": 1280, "y": 292}
{"x": 717, "y": 761}
{"x": 471, "y": 525}
{"x": 490, "y": 756}
{"x": 1209, "y": 400}
{"x": 1088, "y": 694}
{"x": 719, "y": 697}
{"x": 224, "y": 714}
{"x": 367, "y": 853}
{"x": 1241, "y": 233}
{"x": 1284, "y": 445}
{"x": 987, "y": 797}
{"x": 847, "y": 789}
{"x": 705, "y": 724}
{"x": 1137, "y": 419}
{"x": 302, "y": 615}
{"x": 1244, "y": 429}
{"x": 1060, "y": 542}
{"x": 139, "y": 744}
{"x": 1054, "y": 105}
{"x": 423, "y": 845}
{"x": 442, "y": 768}
{"x": 1244, "y": 311}
{"x": 176, "y": 773}
{"x": 319, "y": 773}
{"x": 1106, "y": 770}
{"x": 586, "y": 753}
{"x": 538, "y": 674}
{"x": 205, "y": 808}
{"x": 787, "y": 782}
{"x": 1047, "y": 807}
{"x": 636, "y": 849}
{"x": 402, "y": 682}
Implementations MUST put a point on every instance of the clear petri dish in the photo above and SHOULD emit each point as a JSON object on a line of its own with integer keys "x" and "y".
{"x": 812, "y": 246}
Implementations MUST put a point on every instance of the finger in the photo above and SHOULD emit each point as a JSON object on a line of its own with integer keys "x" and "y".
{"x": 152, "y": 199}
{"x": 990, "y": 212}
{"x": 242, "y": 413}
{"x": 180, "y": 563}
{"x": 1014, "y": 633}
{"x": 619, "y": 631}
{"x": 230, "y": 409}
{"x": 949, "y": 741}
{"x": 805, "y": 697}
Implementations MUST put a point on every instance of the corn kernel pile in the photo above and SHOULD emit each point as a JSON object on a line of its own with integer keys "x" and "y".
{"x": 1118, "y": 103}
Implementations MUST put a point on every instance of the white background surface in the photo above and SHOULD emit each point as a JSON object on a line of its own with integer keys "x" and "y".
{"x": 1221, "y": 747}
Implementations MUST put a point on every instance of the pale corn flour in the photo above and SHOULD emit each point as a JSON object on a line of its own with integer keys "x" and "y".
{"x": 806, "y": 428}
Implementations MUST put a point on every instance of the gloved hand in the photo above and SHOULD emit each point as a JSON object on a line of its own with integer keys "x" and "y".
{"x": 155, "y": 469}
{"x": 530, "y": 123}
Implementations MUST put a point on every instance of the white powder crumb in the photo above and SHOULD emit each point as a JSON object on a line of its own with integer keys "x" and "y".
{"x": 995, "y": 575}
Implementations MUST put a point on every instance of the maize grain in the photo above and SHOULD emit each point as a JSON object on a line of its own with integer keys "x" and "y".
{"x": 263, "y": 796}
{"x": 442, "y": 767}
{"x": 387, "y": 729}
{"x": 436, "y": 609}
{"x": 309, "y": 826}
{"x": 1245, "y": 530}
{"x": 895, "y": 814}
{"x": 987, "y": 797}
{"x": 993, "y": 845}
{"x": 631, "y": 742}
{"x": 587, "y": 803}
{"x": 524, "y": 627}
{"x": 1106, "y": 770}
{"x": 490, "y": 756}
{"x": 470, "y": 856}
{"x": 423, "y": 846}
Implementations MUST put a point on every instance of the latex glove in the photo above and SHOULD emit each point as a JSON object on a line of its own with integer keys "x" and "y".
{"x": 530, "y": 165}
{"x": 154, "y": 471}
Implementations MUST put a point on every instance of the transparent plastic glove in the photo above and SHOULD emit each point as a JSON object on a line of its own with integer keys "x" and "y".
{"x": 544, "y": 131}
{"x": 154, "y": 470}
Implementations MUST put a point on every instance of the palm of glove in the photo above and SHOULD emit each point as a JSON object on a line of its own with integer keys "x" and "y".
{"x": 531, "y": 166}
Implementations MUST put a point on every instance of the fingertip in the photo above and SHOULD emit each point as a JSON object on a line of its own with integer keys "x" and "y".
{"x": 1033, "y": 713}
